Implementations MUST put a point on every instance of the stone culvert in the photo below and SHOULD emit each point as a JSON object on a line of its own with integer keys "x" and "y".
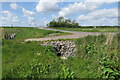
{"x": 63, "y": 48}
{"x": 8, "y": 35}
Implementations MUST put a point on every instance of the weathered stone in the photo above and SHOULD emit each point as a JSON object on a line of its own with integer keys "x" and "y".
{"x": 63, "y": 48}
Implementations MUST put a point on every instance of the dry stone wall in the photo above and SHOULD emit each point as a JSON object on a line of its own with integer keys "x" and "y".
{"x": 63, "y": 48}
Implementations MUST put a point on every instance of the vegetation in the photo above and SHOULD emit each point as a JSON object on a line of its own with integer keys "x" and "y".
{"x": 97, "y": 57}
{"x": 83, "y": 29}
{"x": 34, "y": 61}
{"x": 30, "y": 59}
{"x": 100, "y": 26}
{"x": 24, "y": 32}
{"x": 61, "y": 22}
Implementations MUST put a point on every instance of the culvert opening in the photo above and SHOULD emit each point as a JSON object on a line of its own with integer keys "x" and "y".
{"x": 56, "y": 52}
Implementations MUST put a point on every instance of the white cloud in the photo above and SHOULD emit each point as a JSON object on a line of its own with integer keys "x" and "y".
{"x": 15, "y": 19}
{"x": 2, "y": 23}
{"x": 5, "y": 12}
{"x": 31, "y": 19}
{"x": 102, "y": 13}
{"x": 33, "y": 24}
{"x": 78, "y": 8}
{"x": 102, "y": 0}
{"x": 8, "y": 13}
{"x": 23, "y": 22}
{"x": 3, "y": 18}
{"x": 14, "y": 6}
{"x": 47, "y": 6}
{"x": 54, "y": 16}
{"x": 100, "y": 17}
{"x": 46, "y": 21}
{"x": 86, "y": 6}
{"x": 27, "y": 13}
{"x": 9, "y": 17}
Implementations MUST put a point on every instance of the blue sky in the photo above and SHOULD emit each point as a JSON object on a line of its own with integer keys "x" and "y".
{"x": 40, "y": 13}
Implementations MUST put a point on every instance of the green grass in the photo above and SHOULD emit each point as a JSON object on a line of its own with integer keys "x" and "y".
{"x": 27, "y": 32}
{"x": 94, "y": 59}
{"x": 30, "y": 60}
{"x": 90, "y": 29}
{"x": 22, "y": 60}
{"x": 91, "y": 51}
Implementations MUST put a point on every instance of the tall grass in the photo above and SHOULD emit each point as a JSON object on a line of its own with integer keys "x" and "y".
{"x": 95, "y": 59}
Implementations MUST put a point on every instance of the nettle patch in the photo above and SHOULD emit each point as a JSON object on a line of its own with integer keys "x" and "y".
{"x": 62, "y": 48}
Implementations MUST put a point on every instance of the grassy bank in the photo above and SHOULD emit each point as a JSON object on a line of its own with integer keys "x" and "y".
{"x": 25, "y": 32}
{"x": 29, "y": 60}
{"x": 90, "y": 29}
{"x": 97, "y": 57}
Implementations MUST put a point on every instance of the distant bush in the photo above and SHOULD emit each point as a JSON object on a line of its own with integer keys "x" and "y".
{"x": 61, "y": 22}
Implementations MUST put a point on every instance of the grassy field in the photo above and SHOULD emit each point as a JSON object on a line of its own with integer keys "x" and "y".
{"x": 97, "y": 57}
{"x": 90, "y": 29}
{"x": 24, "y": 32}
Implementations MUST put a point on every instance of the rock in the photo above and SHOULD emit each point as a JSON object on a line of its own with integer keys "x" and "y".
{"x": 63, "y": 58}
{"x": 63, "y": 48}
{"x": 53, "y": 34}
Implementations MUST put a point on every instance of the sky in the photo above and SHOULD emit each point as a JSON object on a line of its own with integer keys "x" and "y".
{"x": 39, "y": 13}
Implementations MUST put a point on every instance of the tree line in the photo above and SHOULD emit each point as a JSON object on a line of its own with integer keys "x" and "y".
{"x": 61, "y": 22}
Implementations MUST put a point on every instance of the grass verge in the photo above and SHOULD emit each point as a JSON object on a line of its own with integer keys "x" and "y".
{"x": 90, "y": 29}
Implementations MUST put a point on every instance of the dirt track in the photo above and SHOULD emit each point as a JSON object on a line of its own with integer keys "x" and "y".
{"x": 74, "y": 35}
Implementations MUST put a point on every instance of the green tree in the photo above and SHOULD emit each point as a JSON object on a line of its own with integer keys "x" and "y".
{"x": 52, "y": 24}
{"x": 61, "y": 22}
{"x": 60, "y": 19}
